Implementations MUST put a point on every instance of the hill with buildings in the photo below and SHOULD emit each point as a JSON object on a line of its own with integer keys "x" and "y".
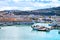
{"x": 18, "y": 16}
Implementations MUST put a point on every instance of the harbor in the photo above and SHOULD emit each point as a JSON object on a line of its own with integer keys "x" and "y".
{"x": 29, "y": 19}
{"x": 21, "y": 27}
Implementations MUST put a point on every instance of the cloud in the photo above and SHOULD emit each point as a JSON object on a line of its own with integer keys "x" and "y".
{"x": 53, "y": 3}
{"x": 16, "y": 8}
{"x": 16, "y": 1}
{"x": 27, "y": 4}
{"x": 27, "y": 8}
{"x": 8, "y": 8}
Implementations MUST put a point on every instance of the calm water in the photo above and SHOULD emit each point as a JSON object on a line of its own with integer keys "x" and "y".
{"x": 22, "y": 32}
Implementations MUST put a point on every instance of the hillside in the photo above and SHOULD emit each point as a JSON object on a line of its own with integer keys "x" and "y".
{"x": 48, "y": 11}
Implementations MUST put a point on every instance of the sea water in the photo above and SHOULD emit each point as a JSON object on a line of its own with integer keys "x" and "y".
{"x": 25, "y": 32}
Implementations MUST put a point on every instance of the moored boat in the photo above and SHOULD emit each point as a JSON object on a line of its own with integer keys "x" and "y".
{"x": 41, "y": 27}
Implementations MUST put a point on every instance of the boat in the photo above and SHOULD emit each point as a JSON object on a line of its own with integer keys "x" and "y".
{"x": 53, "y": 24}
{"x": 41, "y": 27}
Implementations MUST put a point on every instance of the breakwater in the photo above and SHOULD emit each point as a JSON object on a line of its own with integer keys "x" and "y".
{"x": 15, "y": 23}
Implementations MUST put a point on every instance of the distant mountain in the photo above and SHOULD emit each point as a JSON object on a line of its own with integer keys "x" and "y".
{"x": 48, "y": 11}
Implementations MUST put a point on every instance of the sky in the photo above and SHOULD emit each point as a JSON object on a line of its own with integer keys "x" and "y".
{"x": 28, "y": 4}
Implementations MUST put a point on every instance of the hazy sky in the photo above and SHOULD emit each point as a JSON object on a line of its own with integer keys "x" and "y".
{"x": 28, "y": 4}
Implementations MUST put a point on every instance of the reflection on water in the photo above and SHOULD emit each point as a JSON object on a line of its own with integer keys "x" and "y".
{"x": 26, "y": 33}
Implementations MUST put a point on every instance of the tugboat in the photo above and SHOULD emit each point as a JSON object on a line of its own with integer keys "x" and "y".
{"x": 41, "y": 27}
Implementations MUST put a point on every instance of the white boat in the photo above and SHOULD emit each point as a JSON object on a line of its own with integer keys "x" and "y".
{"x": 53, "y": 24}
{"x": 41, "y": 26}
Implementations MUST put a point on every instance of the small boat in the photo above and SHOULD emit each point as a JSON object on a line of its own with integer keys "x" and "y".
{"x": 44, "y": 29}
{"x": 54, "y": 23}
{"x": 41, "y": 27}
{"x": 35, "y": 27}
